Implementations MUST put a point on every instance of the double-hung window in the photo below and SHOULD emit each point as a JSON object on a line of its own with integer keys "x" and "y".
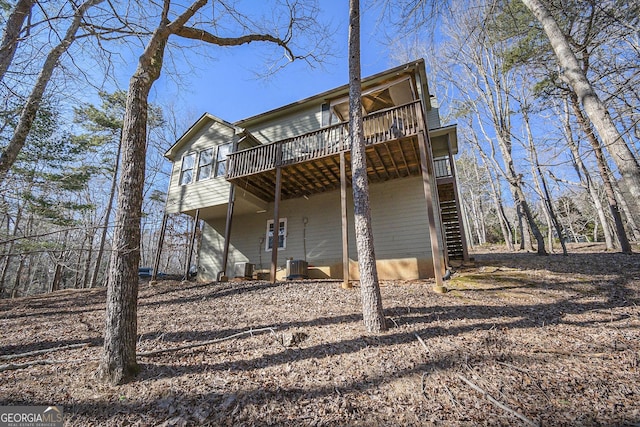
{"x": 203, "y": 165}
{"x": 221, "y": 159}
{"x": 186, "y": 170}
{"x": 282, "y": 234}
{"x": 205, "y": 162}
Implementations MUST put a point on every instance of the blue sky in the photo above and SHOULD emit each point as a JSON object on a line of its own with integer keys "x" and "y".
{"x": 227, "y": 86}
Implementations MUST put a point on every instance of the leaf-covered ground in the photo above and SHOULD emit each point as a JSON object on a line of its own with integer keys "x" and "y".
{"x": 518, "y": 340}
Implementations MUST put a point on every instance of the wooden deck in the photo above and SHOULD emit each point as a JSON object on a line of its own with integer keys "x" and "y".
{"x": 310, "y": 163}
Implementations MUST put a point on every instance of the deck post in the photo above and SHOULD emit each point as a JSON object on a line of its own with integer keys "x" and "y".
{"x": 230, "y": 205}
{"x": 156, "y": 261}
{"x": 345, "y": 222}
{"x": 426, "y": 165}
{"x": 227, "y": 232}
{"x": 191, "y": 243}
{"x": 276, "y": 215}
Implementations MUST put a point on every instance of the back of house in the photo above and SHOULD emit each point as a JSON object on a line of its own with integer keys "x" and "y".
{"x": 296, "y": 160}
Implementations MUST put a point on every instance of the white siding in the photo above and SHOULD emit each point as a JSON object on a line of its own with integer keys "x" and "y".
{"x": 209, "y": 192}
{"x": 400, "y": 229}
{"x": 293, "y": 124}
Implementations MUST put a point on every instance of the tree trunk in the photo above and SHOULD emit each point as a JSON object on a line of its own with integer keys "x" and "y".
{"x": 16, "y": 281}
{"x": 541, "y": 183}
{"x": 625, "y": 247}
{"x": 8, "y": 254}
{"x": 593, "y": 106}
{"x": 370, "y": 289}
{"x": 585, "y": 176}
{"x": 118, "y": 363}
{"x": 11, "y": 35}
{"x": 107, "y": 216}
{"x": 30, "y": 109}
{"x": 631, "y": 222}
{"x": 520, "y": 201}
{"x": 86, "y": 270}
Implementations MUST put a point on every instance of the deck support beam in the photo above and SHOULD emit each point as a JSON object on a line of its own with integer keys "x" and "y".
{"x": 276, "y": 225}
{"x": 426, "y": 164}
{"x": 227, "y": 232}
{"x": 156, "y": 261}
{"x": 192, "y": 240}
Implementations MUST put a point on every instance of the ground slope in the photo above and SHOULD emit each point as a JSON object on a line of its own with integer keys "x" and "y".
{"x": 518, "y": 340}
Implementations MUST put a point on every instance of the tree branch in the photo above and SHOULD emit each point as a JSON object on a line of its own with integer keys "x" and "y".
{"x": 205, "y": 36}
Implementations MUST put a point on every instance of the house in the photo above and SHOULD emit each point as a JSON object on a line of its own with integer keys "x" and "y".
{"x": 274, "y": 193}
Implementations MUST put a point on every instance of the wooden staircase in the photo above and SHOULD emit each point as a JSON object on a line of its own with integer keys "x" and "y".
{"x": 451, "y": 221}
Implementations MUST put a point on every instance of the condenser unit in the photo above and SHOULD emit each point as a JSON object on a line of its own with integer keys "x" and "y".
{"x": 297, "y": 269}
{"x": 243, "y": 270}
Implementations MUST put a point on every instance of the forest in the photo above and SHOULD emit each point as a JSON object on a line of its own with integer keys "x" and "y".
{"x": 534, "y": 169}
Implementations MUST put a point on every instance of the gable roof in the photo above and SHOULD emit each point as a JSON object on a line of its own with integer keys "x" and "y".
{"x": 341, "y": 91}
{"x": 205, "y": 120}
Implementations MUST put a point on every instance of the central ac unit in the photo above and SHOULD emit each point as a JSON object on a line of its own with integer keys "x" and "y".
{"x": 297, "y": 269}
{"x": 243, "y": 270}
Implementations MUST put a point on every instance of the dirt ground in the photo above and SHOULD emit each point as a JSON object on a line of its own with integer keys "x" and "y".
{"x": 518, "y": 340}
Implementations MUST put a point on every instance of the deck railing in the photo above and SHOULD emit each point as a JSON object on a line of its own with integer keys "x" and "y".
{"x": 378, "y": 127}
{"x": 442, "y": 167}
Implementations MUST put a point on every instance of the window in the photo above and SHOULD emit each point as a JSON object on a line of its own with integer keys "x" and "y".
{"x": 221, "y": 159}
{"x": 205, "y": 161}
{"x": 282, "y": 235}
{"x": 186, "y": 171}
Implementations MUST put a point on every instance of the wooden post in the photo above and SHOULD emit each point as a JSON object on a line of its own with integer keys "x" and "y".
{"x": 227, "y": 232}
{"x": 276, "y": 225}
{"x": 191, "y": 242}
{"x": 230, "y": 206}
{"x": 156, "y": 261}
{"x": 276, "y": 214}
{"x": 345, "y": 222}
{"x": 426, "y": 164}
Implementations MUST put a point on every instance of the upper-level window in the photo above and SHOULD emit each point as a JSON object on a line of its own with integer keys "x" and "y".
{"x": 186, "y": 170}
{"x": 282, "y": 234}
{"x": 221, "y": 159}
{"x": 205, "y": 162}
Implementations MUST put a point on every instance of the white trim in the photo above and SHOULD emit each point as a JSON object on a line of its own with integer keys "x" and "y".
{"x": 211, "y": 164}
{"x": 193, "y": 167}
{"x": 284, "y": 235}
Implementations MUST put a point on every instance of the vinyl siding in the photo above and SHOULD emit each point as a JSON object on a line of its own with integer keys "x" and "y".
{"x": 295, "y": 123}
{"x": 399, "y": 221}
{"x": 208, "y": 192}
{"x": 433, "y": 118}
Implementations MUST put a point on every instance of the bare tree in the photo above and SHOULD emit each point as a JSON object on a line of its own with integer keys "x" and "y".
{"x": 541, "y": 184}
{"x": 585, "y": 176}
{"x": 30, "y": 109}
{"x": 487, "y": 88}
{"x": 118, "y": 362}
{"x": 604, "y": 173}
{"x": 596, "y": 110}
{"x": 11, "y": 36}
